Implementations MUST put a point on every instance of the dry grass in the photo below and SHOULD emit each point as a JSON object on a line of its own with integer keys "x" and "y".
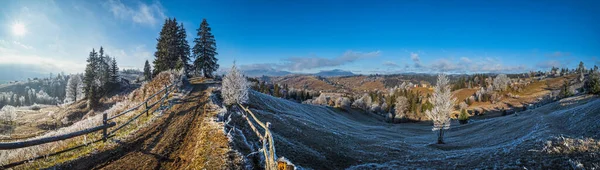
{"x": 85, "y": 141}
{"x": 370, "y": 86}
{"x": 462, "y": 94}
{"x": 206, "y": 147}
{"x": 305, "y": 82}
{"x": 562, "y": 145}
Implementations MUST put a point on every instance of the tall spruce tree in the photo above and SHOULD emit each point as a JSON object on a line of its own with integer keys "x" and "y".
{"x": 204, "y": 51}
{"x": 183, "y": 49}
{"x": 103, "y": 70}
{"x": 114, "y": 73}
{"x": 147, "y": 73}
{"x": 91, "y": 80}
{"x": 166, "y": 54}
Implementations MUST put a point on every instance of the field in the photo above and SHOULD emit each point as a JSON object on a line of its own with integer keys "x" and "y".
{"x": 325, "y": 138}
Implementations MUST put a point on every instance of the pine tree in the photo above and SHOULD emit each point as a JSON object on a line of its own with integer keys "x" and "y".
{"x": 166, "y": 54}
{"x": 147, "y": 73}
{"x": 114, "y": 73}
{"x": 103, "y": 70}
{"x": 581, "y": 67}
{"x": 91, "y": 80}
{"x": 183, "y": 50}
{"x": 204, "y": 51}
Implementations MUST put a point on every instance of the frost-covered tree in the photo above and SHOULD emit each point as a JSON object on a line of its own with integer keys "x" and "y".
{"x": 362, "y": 103}
{"x": 235, "y": 87}
{"x": 400, "y": 108}
{"x": 442, "y": 106}
{"x": 501, "y": 82}
{"x": 8, "y": 114}
{"x": 74, "y": 89}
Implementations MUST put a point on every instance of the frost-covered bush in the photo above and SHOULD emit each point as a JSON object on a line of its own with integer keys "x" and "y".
{"x": 343, "y": 102}
{"x": 235, "y": 87}
{"x": 321, "y": 100}
{"x": 362, "y": 103}
{"x": 442, "y": 106}
{"x": 375, "y": 108}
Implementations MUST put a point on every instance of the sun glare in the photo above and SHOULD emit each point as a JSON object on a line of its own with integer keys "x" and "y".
{"x": 19, "y": 29}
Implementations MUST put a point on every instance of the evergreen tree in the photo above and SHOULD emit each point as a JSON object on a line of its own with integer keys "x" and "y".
{"x": 581, "y": 67}
{"x": 103, "y": 70}
{"x": 147, "y": 73}
{"x": 91, "y": 80}
{"x": 183, "y": 50}
{"x": 114, "y": 73}
{"x": 204, "y": 51}
{"x": 166, "y": 55}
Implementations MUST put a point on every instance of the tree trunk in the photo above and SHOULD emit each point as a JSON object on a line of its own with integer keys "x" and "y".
{"x": 441, "y": 136}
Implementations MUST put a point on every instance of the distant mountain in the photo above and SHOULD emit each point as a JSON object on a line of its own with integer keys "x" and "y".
{"x": 14, "y": 72}
{"x": 334, "y": 73}
{"x": 265, "y": 72}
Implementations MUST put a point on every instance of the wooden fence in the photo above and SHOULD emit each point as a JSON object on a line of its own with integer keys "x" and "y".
{"x": 104, "y": 127}
{"x": 268, "y": 145}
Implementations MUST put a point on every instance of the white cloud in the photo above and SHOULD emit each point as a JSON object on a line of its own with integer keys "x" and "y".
{"x": 550, "y": 64}
{"x": 416, "y": 59}
{"x": 307, "y": 63}
{"x": 148, "y": 14}
{"x": 390, "y": 64}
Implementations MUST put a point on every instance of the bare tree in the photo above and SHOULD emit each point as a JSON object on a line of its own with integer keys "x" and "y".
{"x": 442, "y": 106}
{"x": 235, "y": 87}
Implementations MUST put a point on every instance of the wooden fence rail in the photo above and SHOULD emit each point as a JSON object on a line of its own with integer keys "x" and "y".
{"x": 104, "y": 127}
{"x": 267, "y": 140}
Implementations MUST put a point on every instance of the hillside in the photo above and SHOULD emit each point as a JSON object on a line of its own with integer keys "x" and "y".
{"x": 325, "y": 138}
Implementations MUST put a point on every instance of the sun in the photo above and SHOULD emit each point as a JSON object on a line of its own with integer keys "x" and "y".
{"x": 18, "y": 29}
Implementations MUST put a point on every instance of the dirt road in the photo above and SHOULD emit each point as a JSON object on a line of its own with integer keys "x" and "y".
{"x": 153, "y": 146}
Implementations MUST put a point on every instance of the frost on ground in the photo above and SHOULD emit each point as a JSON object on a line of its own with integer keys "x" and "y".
{"x": 321, "y": 137}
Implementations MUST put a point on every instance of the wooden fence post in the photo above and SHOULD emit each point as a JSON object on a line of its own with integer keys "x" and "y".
{"x": 146, "y": 103}
{"x": 104, "y": 122}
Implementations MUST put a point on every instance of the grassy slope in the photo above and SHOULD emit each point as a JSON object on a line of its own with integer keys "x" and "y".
{"x": 324, "y": 138}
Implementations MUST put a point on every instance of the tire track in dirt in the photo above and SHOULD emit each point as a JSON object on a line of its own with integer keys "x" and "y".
{"x": 152, "y": 146}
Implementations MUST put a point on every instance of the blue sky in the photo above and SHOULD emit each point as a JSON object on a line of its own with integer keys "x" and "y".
{"x": 308, "y": 36}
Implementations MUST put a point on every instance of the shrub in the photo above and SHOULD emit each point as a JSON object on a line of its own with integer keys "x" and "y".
{"x": 592, "y": 85}
{"x": 463, "y": 115}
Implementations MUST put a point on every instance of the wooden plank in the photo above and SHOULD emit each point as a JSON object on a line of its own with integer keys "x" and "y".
{"x": 16, "y": 145}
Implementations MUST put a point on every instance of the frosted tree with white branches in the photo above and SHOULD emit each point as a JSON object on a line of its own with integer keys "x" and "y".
{"x": 235, "y": 87}
{"x": 400, "y": 108}
{"x": 442, "y": 106}
{"x": 501, "y": 82}
{"x": 8, "y": 114}
{"x": 74, "y": 89}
